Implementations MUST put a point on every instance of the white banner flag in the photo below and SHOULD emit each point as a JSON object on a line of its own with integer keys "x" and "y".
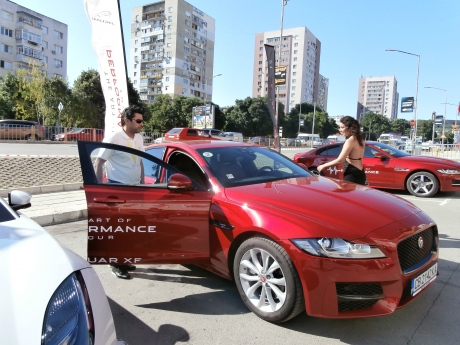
{"x": 107, "y": 42}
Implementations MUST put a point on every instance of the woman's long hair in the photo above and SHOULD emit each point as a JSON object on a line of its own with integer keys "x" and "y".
{"x": 354, "y": 127}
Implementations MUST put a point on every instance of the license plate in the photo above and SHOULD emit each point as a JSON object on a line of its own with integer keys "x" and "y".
{"x": 420, "y": 282}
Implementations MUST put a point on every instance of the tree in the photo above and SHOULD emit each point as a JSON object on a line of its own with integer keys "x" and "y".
{"x": 89, "y": 101}
{"x": 250, "y": 117}
{"x": 374, "y": 125}
{"x": 400, "y": 126}
{"x": 9, "y": 94}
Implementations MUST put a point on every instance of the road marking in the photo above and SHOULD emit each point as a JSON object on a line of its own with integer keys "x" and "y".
{"x": 444, "y": 202}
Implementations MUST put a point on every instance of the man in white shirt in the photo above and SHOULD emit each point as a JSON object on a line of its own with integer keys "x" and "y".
{"x": 121, "y": 167}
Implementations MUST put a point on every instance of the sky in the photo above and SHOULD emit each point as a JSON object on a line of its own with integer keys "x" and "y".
{"x": 354, "y": 35}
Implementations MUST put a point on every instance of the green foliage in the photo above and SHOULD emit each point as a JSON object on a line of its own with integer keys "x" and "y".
{"x": 250, "y": 117}
{"x": 375, "y": 124}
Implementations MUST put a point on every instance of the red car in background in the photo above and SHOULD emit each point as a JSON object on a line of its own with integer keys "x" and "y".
{"x": 388, "y": 167}
{"x": 252, "y": 215}
{"x": 187, "y": 134}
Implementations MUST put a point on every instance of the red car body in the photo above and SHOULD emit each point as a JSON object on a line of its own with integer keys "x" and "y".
{"x": 390, "y": 168}
{"x": 247, "y": 213}
{"x": 186, "y": 134}
{"x": 86, "y": 134}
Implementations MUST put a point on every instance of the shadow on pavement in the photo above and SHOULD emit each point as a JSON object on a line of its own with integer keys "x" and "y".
{"x": 135, "y": 332}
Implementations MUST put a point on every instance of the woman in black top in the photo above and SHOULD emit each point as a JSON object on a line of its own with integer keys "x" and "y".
{"x": 352, "y": 152}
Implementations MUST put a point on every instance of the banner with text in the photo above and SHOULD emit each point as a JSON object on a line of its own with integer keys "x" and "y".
{"x": 407, "y": 104}
{"x": 107, "y": 40}
{"x": 270, "y": 52}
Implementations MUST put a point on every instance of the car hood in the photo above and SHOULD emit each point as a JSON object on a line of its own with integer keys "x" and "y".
{"x": 431, "y": 160}
{"x": 33, "y": 265}
{"x": 316, "y": 203}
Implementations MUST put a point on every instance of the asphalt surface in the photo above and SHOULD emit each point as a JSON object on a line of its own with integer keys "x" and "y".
{"x": 172, "y": 304}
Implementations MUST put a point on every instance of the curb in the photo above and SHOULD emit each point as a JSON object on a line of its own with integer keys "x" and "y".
{"x": 60, "y": 218}
{"x": 66, "y": 187}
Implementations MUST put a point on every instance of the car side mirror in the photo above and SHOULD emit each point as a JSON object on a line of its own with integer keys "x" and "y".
{"x": 18, "y": 199}
{"x": 380, "y": 156}
{"x": 178, "y": 182}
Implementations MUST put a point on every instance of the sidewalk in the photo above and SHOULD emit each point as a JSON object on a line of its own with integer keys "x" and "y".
{"x": 58, "y": 207}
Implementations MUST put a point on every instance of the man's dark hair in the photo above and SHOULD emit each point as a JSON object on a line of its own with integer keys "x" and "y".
{"x": 128, "y": 113}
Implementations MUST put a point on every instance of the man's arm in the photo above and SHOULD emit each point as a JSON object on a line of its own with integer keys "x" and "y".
{"x": 99, "y": 168}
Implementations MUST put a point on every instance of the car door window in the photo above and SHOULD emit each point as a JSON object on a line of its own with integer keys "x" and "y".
{"x": 369, "y": 152}
{"x": 110, "y": 164}
{"x": 332, "y": 151}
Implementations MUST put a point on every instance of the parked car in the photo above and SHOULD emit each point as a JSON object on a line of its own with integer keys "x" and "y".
{"x": 263, "y": 141}
{"x": 21, "y": 130}
{"x": 250, "y": 214}
{"x": 187, "y": 134}
{"x": 215, "y": 133}
{"x": 233, "y": 136}
{"x": 88, "y": 134}
{"x": 320, "y": 142}
{"x": 387, "y": 167}
{"x": 291, "y": 142}
{"x": 49, "y": 294}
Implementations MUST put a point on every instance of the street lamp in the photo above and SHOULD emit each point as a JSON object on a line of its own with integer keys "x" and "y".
{"x": 416, "y": 87}
{"x": 277, "y": 138}
{"x": 445, "y": 113}
{"x": 206, "y": 97}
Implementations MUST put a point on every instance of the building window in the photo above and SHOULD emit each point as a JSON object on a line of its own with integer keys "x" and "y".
{"x": 260, "y": 62}
{"x": 294, "y": 66}
{"x": 58, "y": 49}
{"x": 296, "y": 44}
{"x": 294, "y": 74}
{"x": 295, "y": 59}
{"x": 45, "y": 29}
{"x": 168, "y": 36}
{"x": 167, "y": 79}
{"x": 293, "y": 88}
{"x": 293, "y": 81}
{"x": 167, "y": 70}
{"x": 170, "y": 9}
{"x": 135, "y": 82}
{"x": 7, "y": 15}
{"x": 187, "y": 22}
{"x": 261, "y": 48}
{"x": 170, "y": 19}
{"x": 5, "y": 48}
{"x": 45, "y": 59}
{"x": 169, "y": 27}
{"x": 58, "y": 34}
{"x": 6, "y": 32}
{"x": 6, "y": 64}
{"x": 57, "y": 63}
{"x": 295, "y": 51}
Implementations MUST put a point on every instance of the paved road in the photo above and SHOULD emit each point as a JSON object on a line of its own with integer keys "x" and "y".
{"x": 172, "y": 304}
{"x": 70, "y": 149}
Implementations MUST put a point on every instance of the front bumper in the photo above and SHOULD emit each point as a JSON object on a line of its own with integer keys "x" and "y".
{"x": 345, "y": 288}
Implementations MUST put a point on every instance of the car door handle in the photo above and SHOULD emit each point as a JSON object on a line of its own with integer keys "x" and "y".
{"x": 109, "y": 201}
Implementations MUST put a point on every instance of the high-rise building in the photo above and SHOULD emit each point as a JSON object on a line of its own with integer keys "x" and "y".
{"x": 172, "y": 50}
{"x": 378, "y": 95}
{"x": 323, "y": 92}
{"x": 300, "y": 52}
{"x": 27, "y": 36}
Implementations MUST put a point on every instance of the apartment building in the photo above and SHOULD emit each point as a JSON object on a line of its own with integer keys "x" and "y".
{"x": 28, "y": 36}
{"x": 172, "y": 50}
{"x": 378, "y": 95}
{"x": 300, "y": 52}
{"x": 323, "y": 92}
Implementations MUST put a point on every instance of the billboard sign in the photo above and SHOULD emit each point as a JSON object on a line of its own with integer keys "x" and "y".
{"x": 280, "y": 75}
{"x": 407, "y": 104}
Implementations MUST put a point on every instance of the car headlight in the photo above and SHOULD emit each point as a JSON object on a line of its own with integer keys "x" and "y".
{"x": 338, "y": 248}
{"x": 68, "y": 317}
{"x": 449, "y": 171}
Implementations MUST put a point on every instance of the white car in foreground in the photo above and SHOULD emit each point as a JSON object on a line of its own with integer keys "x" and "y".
{"x": 49, "y": 295}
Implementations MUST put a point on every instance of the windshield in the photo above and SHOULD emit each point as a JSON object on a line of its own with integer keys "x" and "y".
{"x": 239, "y": 166}
{"x": 390, "y": 150}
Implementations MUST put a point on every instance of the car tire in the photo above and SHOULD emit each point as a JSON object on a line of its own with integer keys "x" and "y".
{"x": 275, "y": 296}
{"x": 422, "y": 184}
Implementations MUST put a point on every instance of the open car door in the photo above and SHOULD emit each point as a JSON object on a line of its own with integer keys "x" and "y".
{"x": 163, "y": 220}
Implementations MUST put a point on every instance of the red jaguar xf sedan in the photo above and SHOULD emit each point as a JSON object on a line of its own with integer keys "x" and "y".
{"x": 249, "y": 214}
{"x": 388, "y": 167}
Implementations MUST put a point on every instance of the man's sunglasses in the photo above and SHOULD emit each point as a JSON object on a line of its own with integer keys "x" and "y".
{"x": 138, "y": 120}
